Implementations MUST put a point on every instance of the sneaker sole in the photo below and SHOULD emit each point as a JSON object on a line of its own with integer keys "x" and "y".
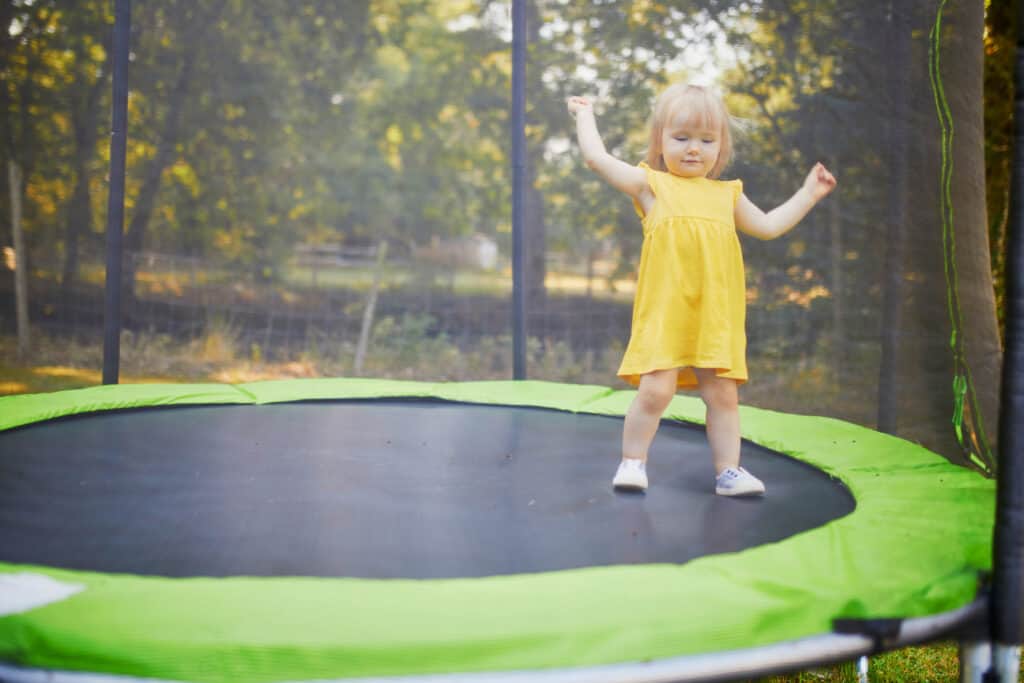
{"x": 629, "y": 486}
{"x": 748, "y": 493}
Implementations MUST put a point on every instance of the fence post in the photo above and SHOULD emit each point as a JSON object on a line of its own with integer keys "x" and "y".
{"x": 368, "y": 312}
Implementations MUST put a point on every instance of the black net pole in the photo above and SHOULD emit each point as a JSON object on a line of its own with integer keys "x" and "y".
{"x": 898, "y": 89}
{"x": 518, "y": 188}
{"x": 1008, "y": 560}
{"x": 115, "y": 200}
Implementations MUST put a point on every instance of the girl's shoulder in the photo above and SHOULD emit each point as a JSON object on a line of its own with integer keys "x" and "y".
{"x": 733, "y": 187}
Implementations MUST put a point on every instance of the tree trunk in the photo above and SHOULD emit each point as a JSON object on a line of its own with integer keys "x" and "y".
{"x": 135, "y": 237}
{"x": 14, "y": 182}
{"x": 536, "y": 237}
{"x": 591, "y": 257}
{"x": 975, "y": 347}
{"x": 940, "y": 334}
{"x": 85, "y": 118}
{"x": 536, "y": 232}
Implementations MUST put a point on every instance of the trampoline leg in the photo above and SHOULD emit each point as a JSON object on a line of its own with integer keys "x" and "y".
{"x": 1006, "y": 662}
{"x": 862, "y": 670}
{"x": 975, "y": 659}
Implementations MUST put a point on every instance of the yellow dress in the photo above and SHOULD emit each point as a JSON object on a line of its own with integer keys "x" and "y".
{"x": 690, "y": 306}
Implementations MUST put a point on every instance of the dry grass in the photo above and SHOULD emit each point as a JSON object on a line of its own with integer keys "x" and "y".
{"x": 55, "y": 364}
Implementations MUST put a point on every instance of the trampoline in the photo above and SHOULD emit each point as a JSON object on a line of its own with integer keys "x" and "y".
{"x": 354, "y": 529}
{"x": 325, "y": 529}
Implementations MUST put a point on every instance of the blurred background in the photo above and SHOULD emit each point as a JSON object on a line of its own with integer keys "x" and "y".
{"x": 320, "y": 188}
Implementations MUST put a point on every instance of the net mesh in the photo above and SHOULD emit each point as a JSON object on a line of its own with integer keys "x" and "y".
{"x": 319, "y": 188}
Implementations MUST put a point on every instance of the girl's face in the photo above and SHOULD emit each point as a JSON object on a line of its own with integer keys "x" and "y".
{"x": 690, "y": 146}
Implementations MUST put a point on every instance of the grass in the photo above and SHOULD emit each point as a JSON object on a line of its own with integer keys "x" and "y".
{"x": 56, "y": 364}
{"x": 461, "y": 281}
{"x": 45, "y": 378}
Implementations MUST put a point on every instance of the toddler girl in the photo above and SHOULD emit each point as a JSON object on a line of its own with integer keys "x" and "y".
{"x": 689, "y": 312}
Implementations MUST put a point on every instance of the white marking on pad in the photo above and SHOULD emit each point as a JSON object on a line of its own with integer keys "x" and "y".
{"x": 23, "y": 592}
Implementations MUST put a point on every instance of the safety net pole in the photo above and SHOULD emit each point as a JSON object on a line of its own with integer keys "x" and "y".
{"x": 115, "y": 198}
{"x": 518, "y": 126}
{"x": 1008, "y": 560}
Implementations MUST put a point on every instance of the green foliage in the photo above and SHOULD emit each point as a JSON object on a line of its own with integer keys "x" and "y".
{"x": 356, "y": 121}
{"x": 403, "y": 343}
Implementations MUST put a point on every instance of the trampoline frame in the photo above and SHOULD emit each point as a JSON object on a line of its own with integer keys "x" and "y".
{"x": 709, "y": 668}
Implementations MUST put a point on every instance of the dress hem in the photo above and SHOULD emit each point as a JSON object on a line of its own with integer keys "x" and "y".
{"x": 687, "y": 379}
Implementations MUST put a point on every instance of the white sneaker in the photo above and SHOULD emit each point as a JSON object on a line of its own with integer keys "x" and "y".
{"x": 736, "y": 481}
{"x": 631, "y": 475}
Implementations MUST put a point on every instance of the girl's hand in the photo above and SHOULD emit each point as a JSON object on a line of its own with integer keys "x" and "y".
{"x": 819, "y": 182}
{"x": 578, "y": 104}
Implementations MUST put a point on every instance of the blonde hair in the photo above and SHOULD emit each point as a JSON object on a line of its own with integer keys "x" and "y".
{"x": 699, "y": 104}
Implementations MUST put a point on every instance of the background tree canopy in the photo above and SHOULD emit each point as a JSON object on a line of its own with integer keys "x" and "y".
{"x": 259, "y": 129}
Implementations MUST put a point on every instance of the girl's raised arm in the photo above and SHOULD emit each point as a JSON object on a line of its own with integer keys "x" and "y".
{"x": 630, "y": 179}
{"x": 766, "y": 226}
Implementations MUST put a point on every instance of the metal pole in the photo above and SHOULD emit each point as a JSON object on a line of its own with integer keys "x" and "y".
{"x": 1008, "y": 551}
{"x": 863, "y": 669}
{"x": 115, "y": 199}
{"x": 975, "y": 660}
{"x": 518, "y": 188}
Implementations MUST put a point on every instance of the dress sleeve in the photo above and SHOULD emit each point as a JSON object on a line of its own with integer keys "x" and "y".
{"x": 652, "y": 182}
{"x": 737, "y": 190}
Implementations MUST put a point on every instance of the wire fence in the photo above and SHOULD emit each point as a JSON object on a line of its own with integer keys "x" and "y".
{"x": 428, "y": 321}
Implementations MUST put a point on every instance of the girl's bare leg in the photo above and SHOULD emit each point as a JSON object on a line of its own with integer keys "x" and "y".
{"x": 656, "y": 391}
{"x": 721, "y": 396}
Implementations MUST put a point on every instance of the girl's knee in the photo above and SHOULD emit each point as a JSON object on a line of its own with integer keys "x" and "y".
{"x": 654, "y": 396}
{"x": 719, "y": 393}
{"x": 654, "y": 399}
{"x": 721, "y": 400}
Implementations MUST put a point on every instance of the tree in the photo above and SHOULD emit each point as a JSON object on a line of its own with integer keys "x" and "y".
{"x": 23, "y": 48}
{"x": 168, "y": 87}
{"x": 86, "y": 29}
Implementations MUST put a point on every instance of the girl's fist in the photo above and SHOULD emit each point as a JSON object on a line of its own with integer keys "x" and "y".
{"x": 819, "y": 181}
{"x": 578, "y": 104}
